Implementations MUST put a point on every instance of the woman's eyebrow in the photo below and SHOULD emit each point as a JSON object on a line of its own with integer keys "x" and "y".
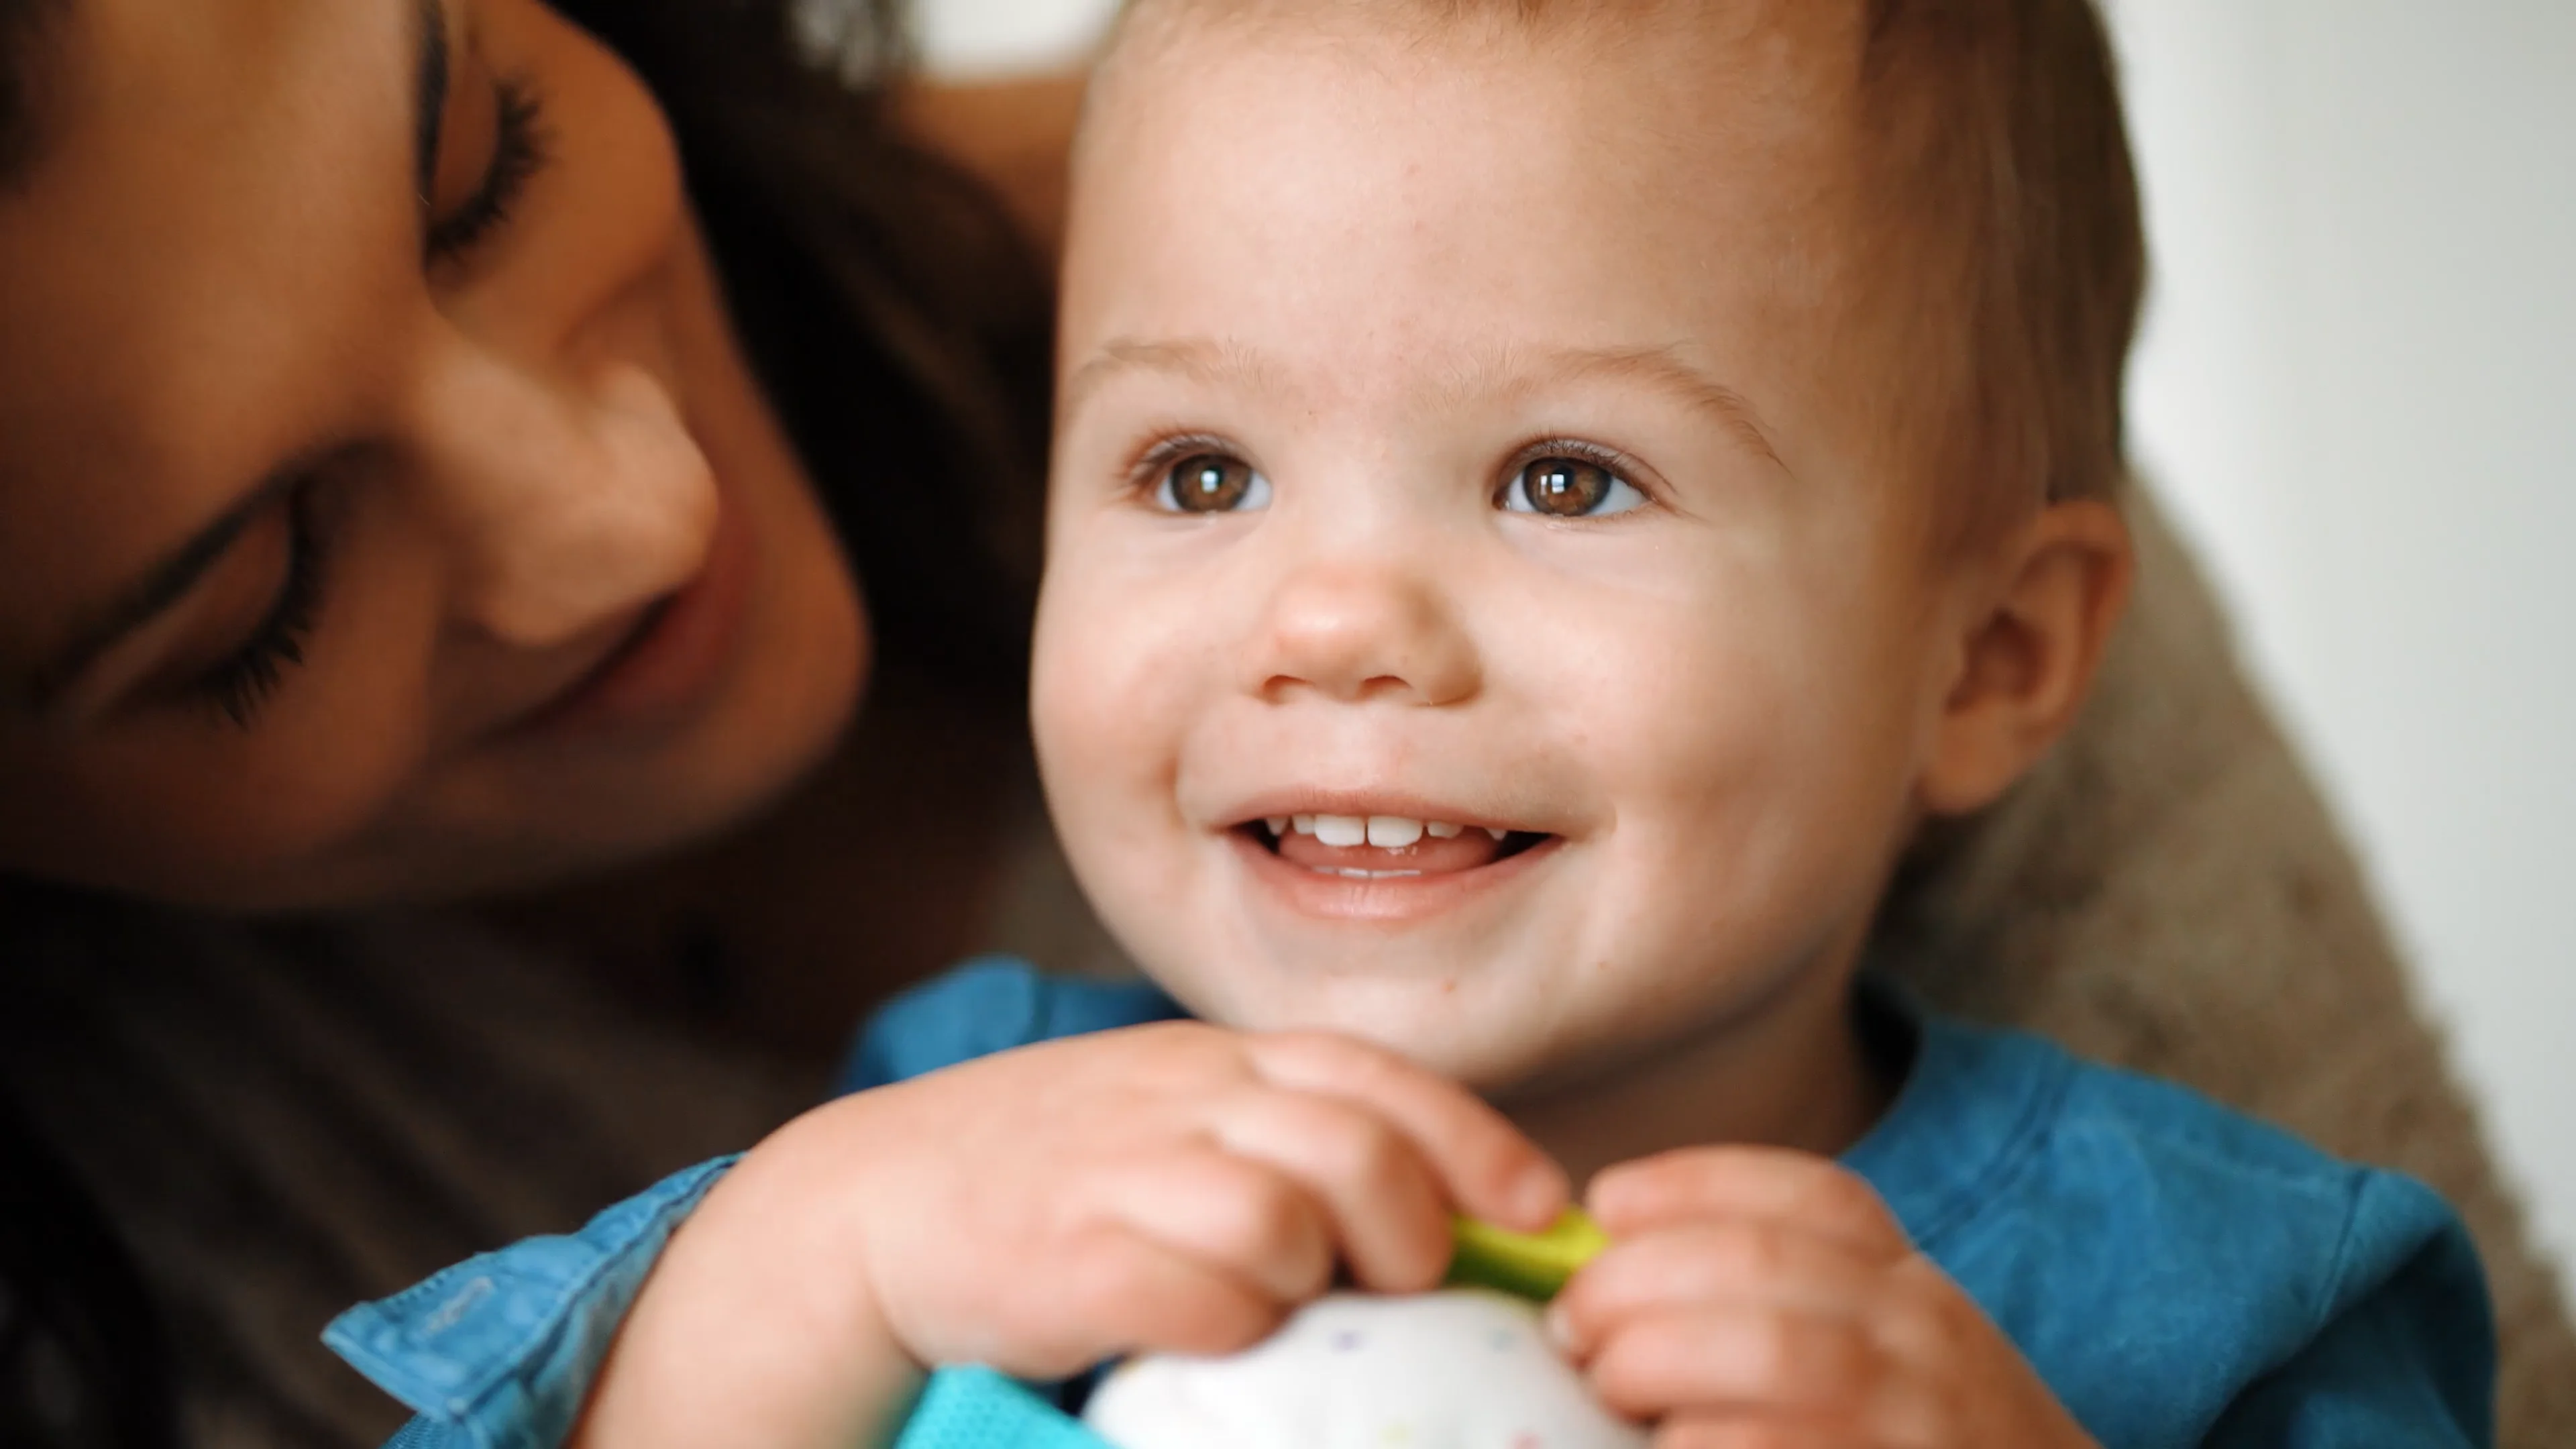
{"x": 429, "y": 96}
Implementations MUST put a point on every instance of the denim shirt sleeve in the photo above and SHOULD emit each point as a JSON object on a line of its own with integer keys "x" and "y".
{"x": 2407, "y": 1353}
{"x": 499, "y": 1351}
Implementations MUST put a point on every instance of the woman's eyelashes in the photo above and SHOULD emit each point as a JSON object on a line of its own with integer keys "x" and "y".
{"x": 518, "y": 155}
{"x": 244, "y": 680}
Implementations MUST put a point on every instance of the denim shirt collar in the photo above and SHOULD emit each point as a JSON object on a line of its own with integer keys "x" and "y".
{"x": 1974, "y": 1107}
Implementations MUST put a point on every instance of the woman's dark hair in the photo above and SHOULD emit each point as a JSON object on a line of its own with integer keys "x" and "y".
{"x": 899, "y": 321}
{"x": 22, "y": 76}
{"x": 900, "y": 324}
{"x": 82, "y": 1361}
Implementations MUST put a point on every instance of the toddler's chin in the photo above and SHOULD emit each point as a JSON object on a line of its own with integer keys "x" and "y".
{"x": 1432, "y": 1023}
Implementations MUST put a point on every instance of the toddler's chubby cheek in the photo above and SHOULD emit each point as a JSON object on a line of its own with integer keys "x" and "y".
{"x": 1467, "y": 1367}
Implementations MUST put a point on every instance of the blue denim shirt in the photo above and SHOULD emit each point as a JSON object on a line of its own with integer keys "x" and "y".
{"x": 2178, "y": 1274}
{"x": 499, "y": 1351}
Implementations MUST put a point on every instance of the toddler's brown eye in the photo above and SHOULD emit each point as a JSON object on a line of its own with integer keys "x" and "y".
{"x": 1212, "y": 483}
{"x": 1570, "y": 488}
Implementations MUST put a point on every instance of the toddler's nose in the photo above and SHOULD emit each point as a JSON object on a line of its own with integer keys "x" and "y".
{"x": 1353, "y": 630}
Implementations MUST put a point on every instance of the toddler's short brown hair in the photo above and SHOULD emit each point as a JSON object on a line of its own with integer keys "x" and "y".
{"x": 2001, "y": 148}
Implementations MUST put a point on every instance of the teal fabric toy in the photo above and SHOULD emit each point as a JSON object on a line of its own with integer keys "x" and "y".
{"x": 1466, "y": 1367}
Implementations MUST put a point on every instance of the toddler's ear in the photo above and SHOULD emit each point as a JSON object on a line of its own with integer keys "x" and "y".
{"x": 2034, "y": 638}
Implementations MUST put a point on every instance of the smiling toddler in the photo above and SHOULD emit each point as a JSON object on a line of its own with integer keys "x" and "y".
{"x": 1550, "y": 500}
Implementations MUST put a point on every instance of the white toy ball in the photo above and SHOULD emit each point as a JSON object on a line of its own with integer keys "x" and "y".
{"x": 1463, "y": 1368}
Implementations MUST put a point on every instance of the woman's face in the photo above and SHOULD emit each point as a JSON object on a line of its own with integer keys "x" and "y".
{"x": 385, "y": 507}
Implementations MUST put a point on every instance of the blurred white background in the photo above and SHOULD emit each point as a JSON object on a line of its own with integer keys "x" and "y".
{"x": 2358, "y": 389}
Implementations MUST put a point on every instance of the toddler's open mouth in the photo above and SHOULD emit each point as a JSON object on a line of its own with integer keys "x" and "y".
{"x": 1386, "y": 847}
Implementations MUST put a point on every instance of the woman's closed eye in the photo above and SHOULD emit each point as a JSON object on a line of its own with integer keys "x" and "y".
{"x": 494, "y": 177}
{"x": 239, "y": 683}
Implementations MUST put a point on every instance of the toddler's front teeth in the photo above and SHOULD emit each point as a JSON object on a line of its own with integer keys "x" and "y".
{"x": 1393, "y": 832}
{"x": 1386, "y": 832}
{"x": 1342, "y": 830}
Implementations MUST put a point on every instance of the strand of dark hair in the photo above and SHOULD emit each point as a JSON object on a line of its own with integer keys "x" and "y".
{"x": 83, "y": 1362}
{"x": 22, "y": 92}
{"x": 899, "y": 320}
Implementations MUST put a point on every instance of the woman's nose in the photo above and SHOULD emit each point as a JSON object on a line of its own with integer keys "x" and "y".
{"x": 1352, "y": 630}
{"x": 568, "y": 506}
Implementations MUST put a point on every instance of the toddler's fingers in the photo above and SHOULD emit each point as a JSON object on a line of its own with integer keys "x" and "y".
{"x": 1927, "y": 1320}
{"x": 1133, "y": 1293}
{"x": 1486, "y": 1166}
{"x": 1760, "y": 1431}
{"x": 1388, "y": 1210}
{"x": 1235, "y": 1214}
{"x": 1799, "y": 1190}
{"x": 1734, "y": 1260}
{"x": 1721, "y": 1356}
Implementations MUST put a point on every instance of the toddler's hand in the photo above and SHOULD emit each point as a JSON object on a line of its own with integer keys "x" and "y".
{"x": 1754, "y": 1296}
{"x": 1176, "y": 1187}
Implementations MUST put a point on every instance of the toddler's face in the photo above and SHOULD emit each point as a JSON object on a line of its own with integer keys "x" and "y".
{"x": 1459, "y": 438}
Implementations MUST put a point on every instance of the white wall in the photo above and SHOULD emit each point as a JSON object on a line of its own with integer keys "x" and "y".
{"x": 2358, "y": 386}
{"x": 986, "y": 37}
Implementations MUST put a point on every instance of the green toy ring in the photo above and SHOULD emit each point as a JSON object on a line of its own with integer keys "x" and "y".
{"x": 1529, "y": 1265}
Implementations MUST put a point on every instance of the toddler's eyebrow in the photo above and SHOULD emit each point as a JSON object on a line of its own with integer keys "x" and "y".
{"x": 1197, "y": 359}
{"x": 1665, "y": 368}
{"x": 1514, "y": 372}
